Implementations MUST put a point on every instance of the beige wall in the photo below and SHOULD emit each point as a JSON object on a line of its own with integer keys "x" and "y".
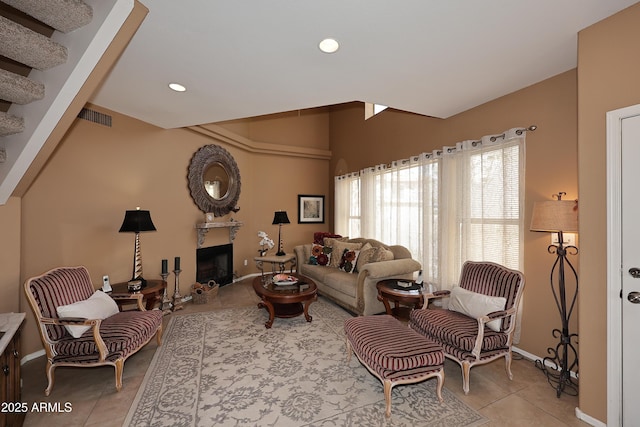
{"x": 72, "y": 212}
{"x": 10, "y": 256}
{"x": 551, "y": 166}
{"x": 608, "y": 79}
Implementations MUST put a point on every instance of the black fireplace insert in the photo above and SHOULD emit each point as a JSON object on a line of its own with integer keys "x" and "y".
{"x": 215, "y": 263}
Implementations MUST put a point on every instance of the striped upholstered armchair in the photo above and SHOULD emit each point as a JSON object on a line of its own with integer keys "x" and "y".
{"x": 479, "y": 323}
{"x": 82, "y": 327}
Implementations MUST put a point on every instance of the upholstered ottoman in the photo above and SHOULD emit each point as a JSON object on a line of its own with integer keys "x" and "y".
{"x": 394, "y": 353}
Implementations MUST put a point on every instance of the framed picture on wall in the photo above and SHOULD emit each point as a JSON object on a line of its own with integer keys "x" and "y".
{"x": 310, "y": 209}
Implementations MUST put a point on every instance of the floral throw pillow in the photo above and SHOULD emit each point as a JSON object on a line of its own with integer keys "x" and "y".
{"x": 348, "y": 260}
{"x": 320, "y": 255}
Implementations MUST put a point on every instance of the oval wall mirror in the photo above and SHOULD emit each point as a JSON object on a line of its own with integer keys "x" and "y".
{"x": 214, "y": 180}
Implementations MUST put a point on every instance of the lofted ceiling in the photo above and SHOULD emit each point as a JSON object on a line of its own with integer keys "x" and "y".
{"x": 249, "y": 58}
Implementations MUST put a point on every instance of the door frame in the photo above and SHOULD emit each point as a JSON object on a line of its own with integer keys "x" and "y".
{"x": 614, "y": 261}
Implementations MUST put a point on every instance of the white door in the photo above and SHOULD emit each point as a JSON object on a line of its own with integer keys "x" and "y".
{"x": 623, "y": 258}
{"x": 630, "y": 268}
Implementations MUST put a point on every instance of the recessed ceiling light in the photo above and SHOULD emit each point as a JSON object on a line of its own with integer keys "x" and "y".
{"x": 329, "y": 45}
{"x": 177, "y": 87}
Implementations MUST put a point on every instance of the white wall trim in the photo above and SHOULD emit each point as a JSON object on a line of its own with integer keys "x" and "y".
{"x": 31, "y": 356}
{"x": 589, "y": 420}
{"x": 614, "y": 261}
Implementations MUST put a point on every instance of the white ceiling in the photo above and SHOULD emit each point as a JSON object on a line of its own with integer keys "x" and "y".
{"x": 245, "y": 58}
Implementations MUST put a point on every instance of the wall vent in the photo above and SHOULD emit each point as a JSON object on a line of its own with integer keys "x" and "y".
{"x": 95, "y": 117}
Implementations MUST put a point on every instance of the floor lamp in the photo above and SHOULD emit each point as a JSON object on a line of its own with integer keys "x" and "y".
{"x": 280, "y": 217}
{"x": 558, "y": 216}
{"x": 135, "y": 222}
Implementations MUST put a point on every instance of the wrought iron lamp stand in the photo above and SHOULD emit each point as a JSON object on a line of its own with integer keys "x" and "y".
{"x": 563, "y": 359}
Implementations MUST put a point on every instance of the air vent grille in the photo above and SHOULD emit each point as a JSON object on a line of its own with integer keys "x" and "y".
{"x": 95, "y": 117}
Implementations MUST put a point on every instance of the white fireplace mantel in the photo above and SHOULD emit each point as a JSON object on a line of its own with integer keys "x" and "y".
{"x": 204, "y": 227}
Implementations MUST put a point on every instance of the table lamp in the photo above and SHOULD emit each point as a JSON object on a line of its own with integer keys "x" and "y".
{"x": 280, "y": 217}
{"x": 135, "y": 222}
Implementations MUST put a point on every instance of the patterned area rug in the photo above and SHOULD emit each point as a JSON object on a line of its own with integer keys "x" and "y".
{"x": 225, "y": 368}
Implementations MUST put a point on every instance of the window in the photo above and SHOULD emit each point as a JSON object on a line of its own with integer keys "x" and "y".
{"x": 456, "y": 204}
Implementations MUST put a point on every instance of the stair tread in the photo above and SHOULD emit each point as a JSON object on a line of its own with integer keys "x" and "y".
{"x": 28, "y": 47}
{"x": 19, "y": 89}
{"x": 10, "y": 124}
{"x": 62, "y": 15}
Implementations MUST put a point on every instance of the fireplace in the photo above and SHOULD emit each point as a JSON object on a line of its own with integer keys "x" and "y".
{"x": 215, "y": 263}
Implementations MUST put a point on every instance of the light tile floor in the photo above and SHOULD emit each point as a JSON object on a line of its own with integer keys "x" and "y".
{"x": 527, "y": 400}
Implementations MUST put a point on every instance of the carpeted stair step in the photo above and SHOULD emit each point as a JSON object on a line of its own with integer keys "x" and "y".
{"x": 28, "y": 47}
{"x": 10, "y": 124}
{"x": 62, "y": 15}
{"x": 19, "y": 89}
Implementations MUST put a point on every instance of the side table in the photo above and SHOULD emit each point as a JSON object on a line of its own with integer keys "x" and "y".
{"x": 278, "y": 263}
{"x": 151, "y": 294}
{"x": 403, "y": 301}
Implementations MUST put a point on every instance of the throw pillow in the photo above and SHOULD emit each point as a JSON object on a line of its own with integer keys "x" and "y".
{"x": 338, "y": 250}
{"x": 320, "y": 255}
{"x": 348, "y": 260}
{"x": 331, "y": 241}
{"x": 476, "y": 305}
{"x": 97, "y": 306}
{"x": 382, "y": 254}
{"x": 370, "y": 254}
{"x": 366, "y": 253}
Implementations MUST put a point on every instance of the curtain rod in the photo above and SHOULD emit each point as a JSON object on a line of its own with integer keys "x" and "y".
{"x": 492, "y": 139}
{"x": 518, "y": 132}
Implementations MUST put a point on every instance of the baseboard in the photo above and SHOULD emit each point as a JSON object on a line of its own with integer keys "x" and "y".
{"x": 535, "y": 358}
{"x": 31, "y": 356}
{"x": 589, "y": 420}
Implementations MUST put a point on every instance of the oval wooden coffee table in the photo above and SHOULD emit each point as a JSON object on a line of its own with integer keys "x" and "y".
{"x": 285, "y": 301}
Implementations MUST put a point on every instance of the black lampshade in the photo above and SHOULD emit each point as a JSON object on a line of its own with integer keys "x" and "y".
{"x": 280, "y": 217}
{"x": 137, "y": 221}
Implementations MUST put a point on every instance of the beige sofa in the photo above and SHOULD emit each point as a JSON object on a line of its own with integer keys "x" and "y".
{"x": 357, "y": 291}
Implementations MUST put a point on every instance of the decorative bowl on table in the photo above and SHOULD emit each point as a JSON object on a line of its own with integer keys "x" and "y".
{"x": 284, "y": 279}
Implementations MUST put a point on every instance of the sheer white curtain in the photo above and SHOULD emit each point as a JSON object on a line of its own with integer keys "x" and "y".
{"x": 483, "y": 198}
{"x": 459, "y": 203}
{"x": 347, "y": 205}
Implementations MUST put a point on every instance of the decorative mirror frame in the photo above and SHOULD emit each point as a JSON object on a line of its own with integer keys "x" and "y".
{"x": 200, "y": 162}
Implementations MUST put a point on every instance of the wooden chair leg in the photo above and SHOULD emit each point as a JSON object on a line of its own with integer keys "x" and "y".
{"x": 159, "y": 335}
{"x": 440, "y": 377}
{"x": 466, "y": 371}
{"x": 387, "y": 397}
{"x": 50, "y": 377}
{"x": 119, "y": 366}
{"x": 507, "y": 361}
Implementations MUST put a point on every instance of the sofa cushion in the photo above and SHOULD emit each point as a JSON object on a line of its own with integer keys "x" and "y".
{"x": 339, "y": 248}
{"x": 463, "y": 336}
{"x": 317, "y": 273}
{"x": 342, "y": 282}
{"x": 122, "y": 333}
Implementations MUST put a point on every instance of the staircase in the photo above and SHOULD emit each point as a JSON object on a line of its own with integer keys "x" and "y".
{"x": 48, "y": 50}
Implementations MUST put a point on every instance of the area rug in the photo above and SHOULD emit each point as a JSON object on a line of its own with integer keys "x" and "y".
{"x": 225, "y": 368}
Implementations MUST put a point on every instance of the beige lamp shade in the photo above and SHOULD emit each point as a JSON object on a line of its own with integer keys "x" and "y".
{"x": 552, "y": 216}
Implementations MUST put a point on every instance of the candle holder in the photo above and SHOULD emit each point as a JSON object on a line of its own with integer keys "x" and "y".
{"x": 165, "y": 306}
{"x": 177, "y": 298}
